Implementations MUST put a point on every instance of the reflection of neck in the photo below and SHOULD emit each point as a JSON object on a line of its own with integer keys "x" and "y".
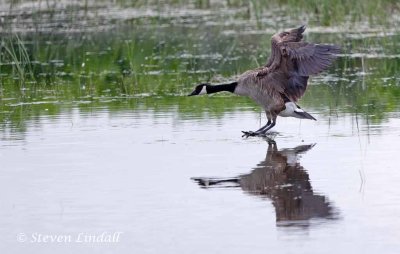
{"x": 221, "y": 88}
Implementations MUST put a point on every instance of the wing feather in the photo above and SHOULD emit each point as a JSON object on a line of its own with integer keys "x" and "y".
{"x": 296, "y": 87}
{"x": 311, "y": 58}
{"x": 293, "y": 35}
{"x": 296, "y": 60}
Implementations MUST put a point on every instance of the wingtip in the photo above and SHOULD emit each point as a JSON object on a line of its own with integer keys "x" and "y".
{"x": 302, "y": 28}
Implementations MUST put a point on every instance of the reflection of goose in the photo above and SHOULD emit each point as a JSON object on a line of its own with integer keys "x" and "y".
{"x": 281, "y": 178}
{"x": 279, "y": 84}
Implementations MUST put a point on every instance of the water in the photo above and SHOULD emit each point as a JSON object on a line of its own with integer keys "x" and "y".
{"x": 131, "y": 173}
{"x": 103, "y": 142}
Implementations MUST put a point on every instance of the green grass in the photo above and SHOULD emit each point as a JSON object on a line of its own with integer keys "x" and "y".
{"x": 165, "y": 57}
{"x": 14, "y": 54}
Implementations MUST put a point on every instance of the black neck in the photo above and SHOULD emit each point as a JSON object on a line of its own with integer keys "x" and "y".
{"x": 220, "y": 88}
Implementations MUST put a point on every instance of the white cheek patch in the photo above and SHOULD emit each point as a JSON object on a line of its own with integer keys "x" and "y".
{"x": 203, "y": 90}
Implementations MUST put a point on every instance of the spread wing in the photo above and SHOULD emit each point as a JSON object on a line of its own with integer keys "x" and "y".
{"x": 293, "y": 35}
{"x": 298, "y": 59}
{"x": 310, "y": 58}
{"x": 301, "y": 59}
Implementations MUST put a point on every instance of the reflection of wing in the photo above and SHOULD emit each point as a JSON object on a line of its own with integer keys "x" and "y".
{"x": 281, "y": 177}
{"x": 298, "y": 59}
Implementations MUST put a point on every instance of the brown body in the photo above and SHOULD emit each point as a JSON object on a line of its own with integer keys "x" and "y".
{"x": 262, "y": 89}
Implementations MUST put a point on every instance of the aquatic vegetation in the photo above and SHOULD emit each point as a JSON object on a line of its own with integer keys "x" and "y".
{"x": 14, "y": 59}
{"x": 149, "y": 56}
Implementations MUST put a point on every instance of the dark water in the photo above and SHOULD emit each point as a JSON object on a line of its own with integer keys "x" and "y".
{"x": 100, "y": 138}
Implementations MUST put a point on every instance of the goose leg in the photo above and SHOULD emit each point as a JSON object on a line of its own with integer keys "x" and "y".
{"x": 270, "y": 126}
{"x": 259, "y": 131}
{"x": 263, "y": 128}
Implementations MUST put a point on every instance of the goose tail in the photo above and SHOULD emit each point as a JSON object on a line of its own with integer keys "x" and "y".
{"x": 304, "y": 115}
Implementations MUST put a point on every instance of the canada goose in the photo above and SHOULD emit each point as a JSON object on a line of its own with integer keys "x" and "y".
{"x": 281, "y": 178}
{"x": 279, "y": 84}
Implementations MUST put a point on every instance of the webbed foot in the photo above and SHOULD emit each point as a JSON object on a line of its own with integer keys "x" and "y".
{"x": 247, "y": 134}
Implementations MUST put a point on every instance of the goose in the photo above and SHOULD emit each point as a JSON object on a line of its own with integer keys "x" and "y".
{"x": 282, "y": 81}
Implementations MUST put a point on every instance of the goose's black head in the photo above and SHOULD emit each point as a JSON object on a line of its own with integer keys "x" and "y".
{"x": 199, "y": 89}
